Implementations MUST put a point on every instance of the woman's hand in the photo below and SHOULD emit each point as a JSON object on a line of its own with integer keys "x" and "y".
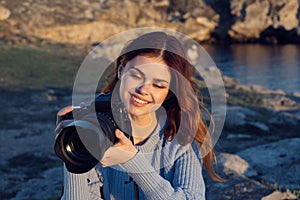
{"x": 62, "y": 112}
{"x": 120, "y": 153}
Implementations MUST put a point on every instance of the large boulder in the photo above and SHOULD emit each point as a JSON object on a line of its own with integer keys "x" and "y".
{"x": 234, "y": 164}
{"x": 220, "y": 21}
{"x": 269, "y": 21}
{"x": 4, "y": 13}
{"x": 271, "y": 160}
{"x": 236, "y": 184}
{"x": 277, "y": 195}
{"x": 253, "y": 172}
{"x": 237, "y": 115}
{"x": 286, "y": 118}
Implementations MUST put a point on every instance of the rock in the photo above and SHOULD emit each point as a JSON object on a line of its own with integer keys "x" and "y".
{"x": 286, "y": 118}
{"x": 230, "y": 81}
{"x": 235, "y": 164}
{"x": 234, "y": 186}
{"x": 264, "y": 20}
{"x": 238, "y": 136}
{"x": 197, "y": 31}
{"x": 277, "y": 195}
{"x": 286, "y": 15}
{"x": 260, "y": 89}
{"x": 4, "y": 13}
{"x": 259, "y": 125}
{"x": 235, "y": 118}
{"x": 254, "y": 95}
{"x": 279, "y": 102}
{"x": 296, "y": 94}
{"x": 206, "y": 21}
{"x": 89, "y": 15}
{"x": 270, "y": 160}
{"x": 252, "y": 19}
{"x": 237, "y": 115}
{"x": 51, "y": 177}
{"x": 73, "y": 34}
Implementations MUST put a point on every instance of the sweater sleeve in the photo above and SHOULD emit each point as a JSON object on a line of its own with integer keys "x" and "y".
{"x": 81, "y": 186}
{"x": 187, "y": 182}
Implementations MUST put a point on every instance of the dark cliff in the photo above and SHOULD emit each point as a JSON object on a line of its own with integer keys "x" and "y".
{"x": 214, "y": 21}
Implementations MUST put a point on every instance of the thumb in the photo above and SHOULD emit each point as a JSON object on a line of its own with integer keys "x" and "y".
{"x": 65, "y": 110}
{"x": 120, "y": 135}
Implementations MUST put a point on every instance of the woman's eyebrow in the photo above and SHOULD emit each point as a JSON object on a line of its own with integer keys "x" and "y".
{"x": 155, "y": 79}
{"x": 160, "y": 80}
{"x": 137, "y": 70}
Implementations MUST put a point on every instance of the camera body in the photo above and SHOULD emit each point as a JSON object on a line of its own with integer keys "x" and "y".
{"x": 84, "y": 134}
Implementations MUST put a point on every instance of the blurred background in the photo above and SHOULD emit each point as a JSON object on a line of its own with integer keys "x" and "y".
{"x": 254, "y": 43}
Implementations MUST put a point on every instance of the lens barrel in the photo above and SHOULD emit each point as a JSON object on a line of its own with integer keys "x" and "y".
{"x": 84, "y": 134}
{"x": 82, "y": 143}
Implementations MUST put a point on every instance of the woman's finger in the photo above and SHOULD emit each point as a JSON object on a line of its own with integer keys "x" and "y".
{"x": 121, "y": 138}
{"x": 65, "y": 110}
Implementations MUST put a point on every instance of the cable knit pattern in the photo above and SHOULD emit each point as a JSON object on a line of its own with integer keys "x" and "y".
{"x": 161, "y": 169}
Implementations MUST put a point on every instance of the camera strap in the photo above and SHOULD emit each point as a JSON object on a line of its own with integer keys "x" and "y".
{"x": 136, "y": 188}
{"x": 136, "y": 191}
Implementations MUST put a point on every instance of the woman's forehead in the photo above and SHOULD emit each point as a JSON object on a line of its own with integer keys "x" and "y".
{"x": 149, "y": 66}
{"x": 143, "y": 59}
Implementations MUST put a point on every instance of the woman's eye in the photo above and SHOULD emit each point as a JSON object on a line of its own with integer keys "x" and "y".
{"x": 159, "y": 86}
{"x": 135, "y": 75}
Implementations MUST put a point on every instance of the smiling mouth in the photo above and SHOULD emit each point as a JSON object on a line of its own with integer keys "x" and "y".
{"x": 138, "y": 100}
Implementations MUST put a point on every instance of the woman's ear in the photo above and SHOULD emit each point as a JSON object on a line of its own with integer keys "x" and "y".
{"x": 120, "y": 70}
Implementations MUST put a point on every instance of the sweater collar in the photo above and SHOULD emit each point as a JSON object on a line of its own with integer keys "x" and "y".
{"x": 155, "y": 137}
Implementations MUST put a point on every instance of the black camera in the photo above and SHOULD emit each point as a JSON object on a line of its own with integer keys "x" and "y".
{"x": 84, "y": 134}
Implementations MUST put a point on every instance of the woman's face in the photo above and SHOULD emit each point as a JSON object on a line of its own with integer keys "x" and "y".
{"x": 144, "y": 85}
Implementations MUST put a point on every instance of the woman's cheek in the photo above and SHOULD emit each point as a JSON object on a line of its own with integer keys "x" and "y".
{"x": 161, "y": 96}
{"x": 125, "y": 87}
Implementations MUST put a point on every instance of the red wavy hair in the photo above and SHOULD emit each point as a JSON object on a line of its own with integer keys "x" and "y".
{"x": 183, "y": 92}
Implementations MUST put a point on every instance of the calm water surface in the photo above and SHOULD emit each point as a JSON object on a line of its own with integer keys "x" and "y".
{"x": 273, "y": 67}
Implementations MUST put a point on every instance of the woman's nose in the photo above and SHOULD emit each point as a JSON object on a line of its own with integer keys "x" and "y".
{"x": 143, "y": 89}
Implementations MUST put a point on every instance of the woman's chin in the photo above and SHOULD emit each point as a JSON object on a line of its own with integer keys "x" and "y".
{"x": 135, "y": 113}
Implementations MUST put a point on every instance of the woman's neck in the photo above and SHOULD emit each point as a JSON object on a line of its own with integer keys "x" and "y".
{"x": 142, "y": 127}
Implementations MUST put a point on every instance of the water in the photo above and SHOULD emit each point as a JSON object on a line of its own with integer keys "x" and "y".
{"x": 273, "y": 67}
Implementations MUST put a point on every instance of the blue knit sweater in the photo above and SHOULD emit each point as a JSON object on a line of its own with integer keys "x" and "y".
{"x": 160, "y": 170}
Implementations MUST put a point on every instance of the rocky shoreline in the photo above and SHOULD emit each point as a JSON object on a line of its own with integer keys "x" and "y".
{"x": 258, "y": 151}
{"x": 212, "y": 21}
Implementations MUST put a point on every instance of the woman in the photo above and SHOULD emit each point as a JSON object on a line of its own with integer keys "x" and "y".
{"x": 162, "y": 158}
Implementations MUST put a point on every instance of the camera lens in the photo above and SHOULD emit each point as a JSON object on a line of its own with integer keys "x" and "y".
{"x": 75, "y": 149}
{"x": 83, "y": 138}
{"x": 72, "y": 151}
{"x": 82, "y": 143}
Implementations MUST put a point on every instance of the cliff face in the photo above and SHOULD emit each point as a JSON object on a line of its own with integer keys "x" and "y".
{"x": 87, "y": 21}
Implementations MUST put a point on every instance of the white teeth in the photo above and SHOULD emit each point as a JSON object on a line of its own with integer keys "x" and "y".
{"x": 139, "y": 100}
